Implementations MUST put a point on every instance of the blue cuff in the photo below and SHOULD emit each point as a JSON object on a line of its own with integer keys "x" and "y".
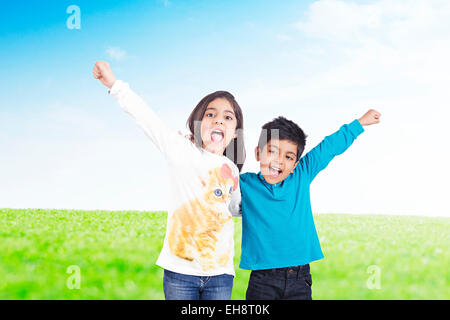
{"x": 356, "y": 128}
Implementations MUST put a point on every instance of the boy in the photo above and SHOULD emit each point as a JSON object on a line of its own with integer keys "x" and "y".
{"x": 279, "y": 238}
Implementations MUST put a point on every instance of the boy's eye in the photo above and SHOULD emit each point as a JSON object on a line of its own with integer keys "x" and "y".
{"x": 218, "y": 193}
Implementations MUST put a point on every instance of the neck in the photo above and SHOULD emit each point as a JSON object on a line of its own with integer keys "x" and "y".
{"x": 217, "y": 150}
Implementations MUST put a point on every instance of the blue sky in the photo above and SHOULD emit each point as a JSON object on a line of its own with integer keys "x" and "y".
{"x": 64, "y": 143}
{"x": 160, "y": 39}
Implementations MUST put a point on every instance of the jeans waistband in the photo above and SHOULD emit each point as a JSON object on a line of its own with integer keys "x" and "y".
{"x": 287, "y": 272}
{"x": 303, "y": 267}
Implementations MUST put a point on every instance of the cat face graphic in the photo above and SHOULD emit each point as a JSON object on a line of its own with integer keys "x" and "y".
{"x": 223, "y": 192}
{"x": 218, "y": 192}
{"x": 221, "y": 185}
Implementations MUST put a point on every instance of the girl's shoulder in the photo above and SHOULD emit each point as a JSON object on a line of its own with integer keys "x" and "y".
{"x": 232, "y": 165}
{"x": 227, "y": 166}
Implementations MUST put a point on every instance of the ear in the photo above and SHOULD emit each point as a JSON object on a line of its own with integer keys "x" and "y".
{"x": 257, "y": 154}
{"x": 295, "y": 166}
{"x": 225, "y": 171}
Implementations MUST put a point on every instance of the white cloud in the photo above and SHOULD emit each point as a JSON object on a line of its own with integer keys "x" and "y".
{"x": 394, "y": 22}
{"x": 339, "y": 20}
{"x": 116, "y": 53}
{"x": 398, "y": 45}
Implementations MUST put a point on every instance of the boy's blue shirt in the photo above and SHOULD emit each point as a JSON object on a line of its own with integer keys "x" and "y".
{"x": 277, "y": 221}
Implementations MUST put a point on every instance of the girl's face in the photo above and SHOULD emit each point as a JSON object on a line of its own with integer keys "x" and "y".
{"x": 218, "y": 126}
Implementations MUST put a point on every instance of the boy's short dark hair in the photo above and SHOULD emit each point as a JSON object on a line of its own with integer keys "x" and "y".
{"x": 283, "y": 129}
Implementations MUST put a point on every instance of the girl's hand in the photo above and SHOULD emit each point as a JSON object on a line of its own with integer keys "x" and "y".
{"x": 370, "y": 117}
{"x": 189, "y": 137}
{"x": 102, "y": 71}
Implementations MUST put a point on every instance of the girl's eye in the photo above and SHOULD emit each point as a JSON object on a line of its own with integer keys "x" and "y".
{"x": 228, "y": 118}
{"x": 210, "y": 115}
{"x": 218, "y": 193}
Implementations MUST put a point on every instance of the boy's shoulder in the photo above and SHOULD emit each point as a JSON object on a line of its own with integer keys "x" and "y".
{"x": 247, "y": 176}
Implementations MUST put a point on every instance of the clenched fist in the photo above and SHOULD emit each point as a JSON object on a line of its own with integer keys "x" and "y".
{"x": 102, "y": 71}
{"x": 370, "y": 117}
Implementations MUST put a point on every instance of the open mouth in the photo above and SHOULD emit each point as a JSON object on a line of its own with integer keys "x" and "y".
{"x": 274, "y": 172}
{"x": 217, "y": 135}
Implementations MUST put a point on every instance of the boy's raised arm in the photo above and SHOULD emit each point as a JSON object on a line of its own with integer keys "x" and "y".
{"x": 319, "y": 157}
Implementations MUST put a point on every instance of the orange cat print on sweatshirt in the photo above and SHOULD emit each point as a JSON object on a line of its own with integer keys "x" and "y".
{"x": 195, "y": 226}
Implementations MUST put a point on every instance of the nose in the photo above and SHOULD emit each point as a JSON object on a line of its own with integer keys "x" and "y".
{"x": 279, "y": 161}
{"x": 219, "y": 121}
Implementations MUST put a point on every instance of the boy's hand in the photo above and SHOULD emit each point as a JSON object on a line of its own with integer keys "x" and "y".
{"x": 102, "y": 71}
{"x": 370, "y": 117}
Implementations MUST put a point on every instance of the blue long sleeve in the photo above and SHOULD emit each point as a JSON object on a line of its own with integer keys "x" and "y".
{"x": 318, "y": 158}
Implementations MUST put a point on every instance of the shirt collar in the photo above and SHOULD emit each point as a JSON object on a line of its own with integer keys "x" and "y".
{"x": 261, "y": 177}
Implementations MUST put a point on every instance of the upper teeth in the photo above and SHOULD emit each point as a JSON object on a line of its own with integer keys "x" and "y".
{"x": 275, "y": 168}
{"x": 217, "y": 131}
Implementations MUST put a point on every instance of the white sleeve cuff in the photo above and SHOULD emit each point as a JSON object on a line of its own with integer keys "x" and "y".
{"x": 118, "y": 86}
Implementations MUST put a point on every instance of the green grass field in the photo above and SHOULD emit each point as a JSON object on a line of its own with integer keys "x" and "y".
{"x": 116, "y": 251}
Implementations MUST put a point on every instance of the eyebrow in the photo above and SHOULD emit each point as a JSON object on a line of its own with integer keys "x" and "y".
{"x": 211, "y": 108}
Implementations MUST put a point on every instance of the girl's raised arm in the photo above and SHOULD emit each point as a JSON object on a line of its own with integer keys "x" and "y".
{"x": 166, "y": 140}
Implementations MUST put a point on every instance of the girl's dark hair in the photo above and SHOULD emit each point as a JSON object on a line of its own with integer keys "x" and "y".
{"x": 235, "y": 150}
{"x": 283, "y": 129}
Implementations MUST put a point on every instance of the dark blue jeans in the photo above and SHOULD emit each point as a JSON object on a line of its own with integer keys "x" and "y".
{"x": 291, "y": 283}
{"x": 179, "y": 286}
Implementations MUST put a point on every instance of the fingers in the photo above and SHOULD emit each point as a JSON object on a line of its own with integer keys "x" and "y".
{"x": 99, "y": 67}
{"x": 374, "y": 113}
{"x": 96, "y": 72}
{"x": 370, "y": 117}
{"x": 377, "y": 117}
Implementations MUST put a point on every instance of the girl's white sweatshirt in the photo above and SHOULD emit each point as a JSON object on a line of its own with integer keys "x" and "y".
{"x": 204, "y": 195}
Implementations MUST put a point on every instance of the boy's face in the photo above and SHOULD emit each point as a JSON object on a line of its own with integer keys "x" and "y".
{"x": 277, "y": 159}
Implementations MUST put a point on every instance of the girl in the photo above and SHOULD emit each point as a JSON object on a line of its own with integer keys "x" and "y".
{"x": 198, "y": 250}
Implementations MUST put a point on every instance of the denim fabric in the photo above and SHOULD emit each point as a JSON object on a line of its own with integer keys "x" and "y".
{"x": 179, "y": 286}
{"x": 291, "y": 283}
